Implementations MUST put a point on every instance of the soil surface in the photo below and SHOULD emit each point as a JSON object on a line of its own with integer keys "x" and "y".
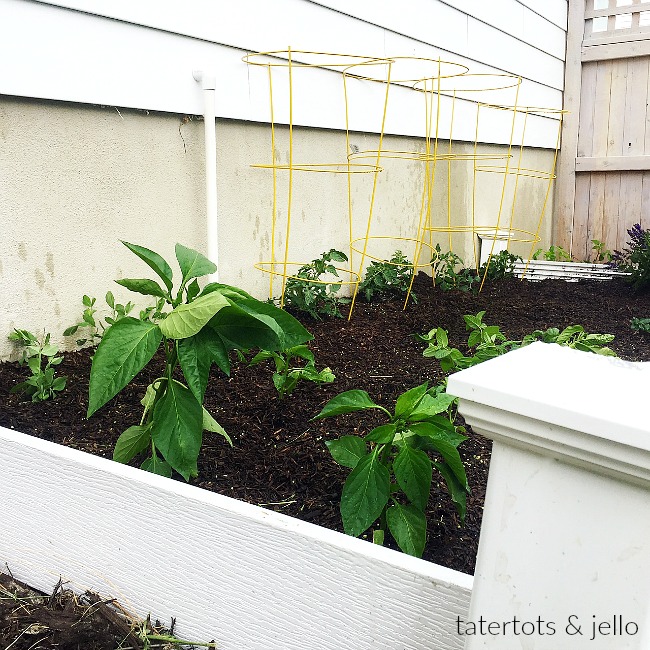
{"x": 279, "y": 459}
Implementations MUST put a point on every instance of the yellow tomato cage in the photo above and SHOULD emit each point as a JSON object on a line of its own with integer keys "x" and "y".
{"x": 436, "y": 81}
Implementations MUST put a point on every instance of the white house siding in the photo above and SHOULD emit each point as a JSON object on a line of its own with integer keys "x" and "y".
{"x": 107, "y": 160}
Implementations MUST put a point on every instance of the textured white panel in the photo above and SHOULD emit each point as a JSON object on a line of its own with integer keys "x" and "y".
{"x": 141, "y": 55}
{"x": 250, "y": 578}
{"x": 555, "y": 11}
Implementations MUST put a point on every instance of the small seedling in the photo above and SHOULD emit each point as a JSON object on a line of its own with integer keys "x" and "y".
{"x": 449, "y": 273}
{"x": 553, "y": 254}
{"x": 487, "y": 342}
{"x": 287, "y": 374}
{"x": 500, "y": 267}
{"x": 94, "y": 325}
{"x": 309, "y": 292}
{"x": 640, "y": 325}
{"x": 602, "y": 254}
{"x": 388, "y": 278}
{"x": 43, "y": 384}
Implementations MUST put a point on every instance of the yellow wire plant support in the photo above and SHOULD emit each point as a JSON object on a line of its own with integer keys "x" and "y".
{"x": 450, "y": 101}
{"x": 516, "y": 172}
{"x": 349, "y": 67}
{"x": 408, "y": 71}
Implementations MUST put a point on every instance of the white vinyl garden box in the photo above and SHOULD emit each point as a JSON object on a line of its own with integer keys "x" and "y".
{"x": 249, "y": 578}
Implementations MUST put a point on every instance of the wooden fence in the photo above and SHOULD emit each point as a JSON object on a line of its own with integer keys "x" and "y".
{"x": 604, "y": 168}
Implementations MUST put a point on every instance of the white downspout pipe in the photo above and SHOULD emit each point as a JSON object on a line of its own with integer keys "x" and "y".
{"x": 208, "y": 83}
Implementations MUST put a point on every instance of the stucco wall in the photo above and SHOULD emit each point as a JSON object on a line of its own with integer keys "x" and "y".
{"x": 77, "y": 179}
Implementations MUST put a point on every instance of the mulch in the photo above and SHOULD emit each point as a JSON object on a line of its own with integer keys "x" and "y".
{"x": 279, "y": 459}
{"x": 64, "y": 620}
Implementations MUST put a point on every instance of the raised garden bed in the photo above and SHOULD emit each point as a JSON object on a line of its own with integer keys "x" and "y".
{"x": 279, "y": 459}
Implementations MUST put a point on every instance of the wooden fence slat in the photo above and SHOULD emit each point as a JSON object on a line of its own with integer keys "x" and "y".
{"x": 617, "y": 96}
{"x": 645, "y": 201}
{"x": 587, "y": 107}
{"x": 581, "y": 221}
{"x": 596, "y": 207}
{"x": 636, "y": 97}
{"x": 601, "y": 108}
{"x": 630, "y": 204}
{"x": 565, "y": 187}
{"x": 611, "y": 208}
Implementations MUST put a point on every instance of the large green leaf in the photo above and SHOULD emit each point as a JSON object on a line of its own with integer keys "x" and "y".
{"x": 408, "y": 526}
{"x": 567, "y": 333}
{"x": 290, "y": 331}
{"x": 382, "y": 434}
{"x": 347, "y": 450}
{"x": 430, "y": 406}
{"x": 143, "y": 286}
{"x": 195, "y": 359}
{"x": 457, "y": 492}
{"x": 187, "y": 319}
{"x": 156, "y": 465}
{"x": 211, "y": 425}
{"x": 365, "y": 494}
{"x": 446, "y": 449}
{"x": 234, "y": 293}
{"x": 192, "y": 263}
{"x": 155, "y": 262}
{"x": 239, "y": 329}
{"x": 347, "y": 402}
{"x": 126, "y": 348}
{"x": 131, "y": 442}
{"x": 412, "y": 469}
{"x": 407, "y": 401}
{"x": 176, "y": 428}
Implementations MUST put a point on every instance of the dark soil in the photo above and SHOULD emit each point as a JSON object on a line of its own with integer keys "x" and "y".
{"x": 33, "y": 620}
{"x": 279, "y": 458}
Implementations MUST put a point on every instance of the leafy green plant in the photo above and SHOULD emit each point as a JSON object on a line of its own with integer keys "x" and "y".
{"x": 553, "y": 254}
{"x": 287, "y": 374}
{"x": 308, "y": 291}
{"x": 199, "y": 331}
{"x": 640, "y": 324}
{"x": 390, "y": 481}
{"x": 449, "y": 273}
{"x": 500, "y": 267}
{"x": 94, "y": 325}
{"x": 487, "y": 341}
{"x": 388, "y": 278}
{"x": 574, "y": 337}
{"x": 43, "y": 384}
{"x": 87, "y": 322}
{"x": 635, "y": 259}
{"x": 602, "y": 254}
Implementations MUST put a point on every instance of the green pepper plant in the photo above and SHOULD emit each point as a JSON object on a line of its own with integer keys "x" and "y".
{"x": 43, "y": 384}
{"x": 287, "y": 374}
{"x": 200, "y": 329}
{"x": 390, "y": 481}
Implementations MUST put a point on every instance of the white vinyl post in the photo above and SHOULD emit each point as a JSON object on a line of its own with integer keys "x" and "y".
{"x": 564, "y": 553}
{"x": 208, "y": 84}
